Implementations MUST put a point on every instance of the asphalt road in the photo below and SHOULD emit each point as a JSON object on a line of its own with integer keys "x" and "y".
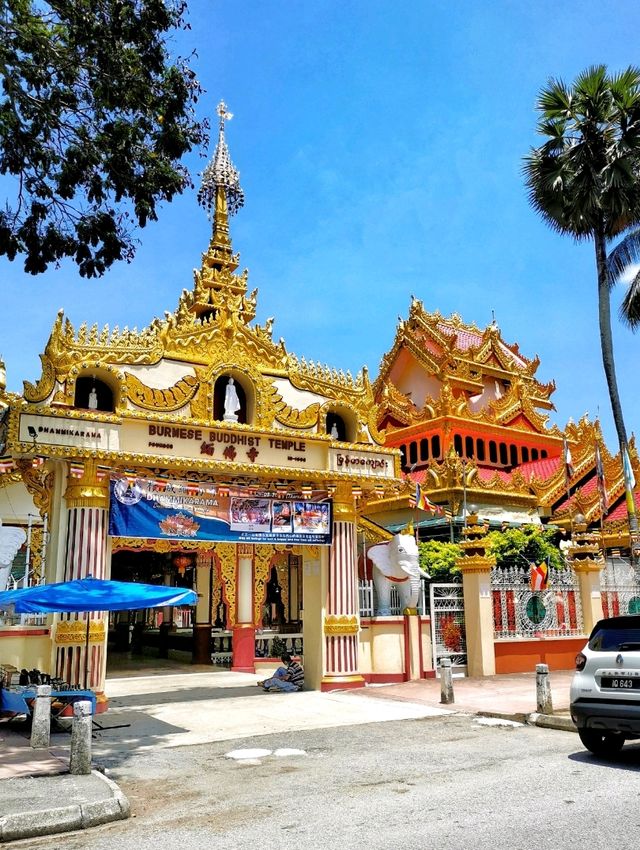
{"x": 449, "y": 783}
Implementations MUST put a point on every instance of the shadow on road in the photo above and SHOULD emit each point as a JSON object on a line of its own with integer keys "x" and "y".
{"x": 627, "y": 759}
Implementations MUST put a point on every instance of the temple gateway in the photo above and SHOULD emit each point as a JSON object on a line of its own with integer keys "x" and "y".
{"x": 199, "y": 452}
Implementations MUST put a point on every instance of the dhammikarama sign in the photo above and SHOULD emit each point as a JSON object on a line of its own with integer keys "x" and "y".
{"x": 185, "y": 510}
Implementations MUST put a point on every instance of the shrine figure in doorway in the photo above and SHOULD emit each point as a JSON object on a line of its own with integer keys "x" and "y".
{"x": 274, "y": 599}
{"x": 221, "y": 614}
{"x": 93, "y": 399}
{"x": 231, "y": 402}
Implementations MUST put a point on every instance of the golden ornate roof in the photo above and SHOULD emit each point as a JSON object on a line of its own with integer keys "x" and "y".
{"x": 463, "y": 359}
{"x": 170, "y": 367}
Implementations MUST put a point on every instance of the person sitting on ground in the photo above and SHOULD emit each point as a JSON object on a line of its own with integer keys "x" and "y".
{"x": 289, "y": 678}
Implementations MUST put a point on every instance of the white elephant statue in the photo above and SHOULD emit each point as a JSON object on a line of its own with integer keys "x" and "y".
{"x": 396, "y": 562}
{"x": 11, "y": 539}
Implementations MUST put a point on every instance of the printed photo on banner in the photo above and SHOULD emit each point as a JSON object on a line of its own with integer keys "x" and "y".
{"x": 250, "y": 514}
{"x": 311, "y": 518}
{"x": 282, "y": 517}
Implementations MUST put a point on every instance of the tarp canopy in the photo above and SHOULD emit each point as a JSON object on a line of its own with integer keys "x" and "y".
{"x": 90, "y": 594}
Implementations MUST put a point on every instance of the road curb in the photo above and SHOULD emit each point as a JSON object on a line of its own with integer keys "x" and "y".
{"x": 552, "y": 721}
{"x": 67, "y": 818}
{"x": 514, "y": 717}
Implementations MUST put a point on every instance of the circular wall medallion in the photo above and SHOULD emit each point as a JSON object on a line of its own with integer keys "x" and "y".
{"x": 127, "y": 492}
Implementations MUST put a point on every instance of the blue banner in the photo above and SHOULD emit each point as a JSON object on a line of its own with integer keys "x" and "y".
{"x": 190, "y": 511}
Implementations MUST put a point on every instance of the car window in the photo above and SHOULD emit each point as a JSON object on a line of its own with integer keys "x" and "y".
{"x": 607, "y": 640}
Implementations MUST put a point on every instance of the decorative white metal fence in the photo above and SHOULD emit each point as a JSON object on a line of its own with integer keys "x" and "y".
{"x": 620, "y": 587}
{"x": 448, "y": 637}
{"x": 519, "y": 611}
{"x": 368, "y": 599}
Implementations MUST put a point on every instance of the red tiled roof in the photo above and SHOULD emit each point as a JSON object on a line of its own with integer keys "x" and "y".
{"x": 541, "y": 469}
{"x": 417, "y": 476}
{"x": 620, "y": 511}
{"x": 464, "y": 339}
{"x": 486, "y": 473}
{"x": 590, "y": 487}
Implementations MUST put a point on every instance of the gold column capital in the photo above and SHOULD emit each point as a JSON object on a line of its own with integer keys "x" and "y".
{"x": 88, "y": 491}
{"x": 469, "y": 564}
{"x": 344, "y": 505}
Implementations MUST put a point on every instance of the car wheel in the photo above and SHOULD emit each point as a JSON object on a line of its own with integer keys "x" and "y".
{"x": 601, "y": 743}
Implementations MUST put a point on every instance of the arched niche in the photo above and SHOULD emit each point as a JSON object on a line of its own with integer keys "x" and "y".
{"x": 220, "y": 393}
{"x": 92, "y": 393}
{"x": 335, "y": 426}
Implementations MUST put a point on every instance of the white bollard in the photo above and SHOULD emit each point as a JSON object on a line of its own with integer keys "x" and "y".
{"x": 543, "y": 690}
{"x": 446, "y": 681}
{"x": 41, "y": 718}
{"x": 80, "y": 759}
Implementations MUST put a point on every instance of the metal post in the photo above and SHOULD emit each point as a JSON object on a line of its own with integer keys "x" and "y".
{"x": 41, "y": 721}
{"x": 446, "y": 682}
{"x": 80, "y": 756}
{"x": 543, "y": 690}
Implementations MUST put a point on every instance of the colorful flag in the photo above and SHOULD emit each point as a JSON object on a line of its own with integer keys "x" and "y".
{"x": 424, "y": 504}
{"x": 539, "y": 576}
{"x": 568, "y": 461}
{"x": 602, "y": 484}
{"x": 629, "y": 477}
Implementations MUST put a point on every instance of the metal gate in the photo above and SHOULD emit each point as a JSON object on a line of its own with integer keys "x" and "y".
{"x": 448, "y": 638}
{"x": 620, "y": 587}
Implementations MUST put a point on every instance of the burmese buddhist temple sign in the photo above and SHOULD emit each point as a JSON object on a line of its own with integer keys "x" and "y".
{"x": 189, "y": 441}
{"x": 185, "y": 510}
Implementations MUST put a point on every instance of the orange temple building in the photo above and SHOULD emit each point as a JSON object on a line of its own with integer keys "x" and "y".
{"x": 471, "y": 420}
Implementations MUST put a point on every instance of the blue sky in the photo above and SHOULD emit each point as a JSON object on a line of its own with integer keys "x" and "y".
{"x": 379, "y": 146}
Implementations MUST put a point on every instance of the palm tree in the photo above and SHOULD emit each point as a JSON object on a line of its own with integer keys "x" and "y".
{"x": 585, "y": 181}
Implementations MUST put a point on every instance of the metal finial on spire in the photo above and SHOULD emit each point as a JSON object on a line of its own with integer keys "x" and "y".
{"x": 221, "y": 109}
{"x": 221, "y": 172}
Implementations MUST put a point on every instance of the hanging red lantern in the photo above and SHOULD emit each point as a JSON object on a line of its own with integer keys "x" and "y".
{"x": 182, "y": 563}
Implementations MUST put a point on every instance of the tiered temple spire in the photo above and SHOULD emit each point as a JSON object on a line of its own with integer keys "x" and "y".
{"x": 220, "y": 193}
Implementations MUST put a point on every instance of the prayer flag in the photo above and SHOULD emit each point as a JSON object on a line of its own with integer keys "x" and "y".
{"x": 602, "y": 484}
{"x": 568, "y": 461}
{"x": 539, "y": 576}
{"x": 629, "y": 477}
{"x": 424, "y": 504}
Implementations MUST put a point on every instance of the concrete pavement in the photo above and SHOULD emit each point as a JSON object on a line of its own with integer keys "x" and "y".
{"x": 168, "y": 707}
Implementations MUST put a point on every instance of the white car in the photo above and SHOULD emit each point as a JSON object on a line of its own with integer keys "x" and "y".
{"x": 605, "y": 691}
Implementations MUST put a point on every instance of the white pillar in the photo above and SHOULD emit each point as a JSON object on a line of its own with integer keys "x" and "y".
{"x": 341, "y": 622}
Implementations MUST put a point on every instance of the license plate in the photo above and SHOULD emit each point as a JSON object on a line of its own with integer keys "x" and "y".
{"x": 620, "y": 683}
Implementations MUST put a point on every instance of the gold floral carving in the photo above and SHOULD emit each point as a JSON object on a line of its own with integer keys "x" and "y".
{"x": 92, "y": 346}
{"x": 150, "y": 398}
{"x": 39, "y": 484}
{"x": 263, "y": 556}
{"x": 287, "y": 415}
{"x": 37, "y": 539}
{"x": 70, "y": 632}
{"x": 202, "y": 400}
{"x": 226, "y": 556}
{"x": 11, "y": 477}
{"x": 44, "y": 386}
{"x": 144, "y": 544}
{"x": 341, "y": 624}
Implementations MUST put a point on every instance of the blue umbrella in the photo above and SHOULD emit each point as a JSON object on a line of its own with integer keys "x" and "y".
{"x": 91, "y": 594}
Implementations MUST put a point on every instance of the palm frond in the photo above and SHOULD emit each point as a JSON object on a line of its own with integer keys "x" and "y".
{"x": 554, "y": 101}
{"x": 630, "y": 307}
{"x": 626, "y": 253}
